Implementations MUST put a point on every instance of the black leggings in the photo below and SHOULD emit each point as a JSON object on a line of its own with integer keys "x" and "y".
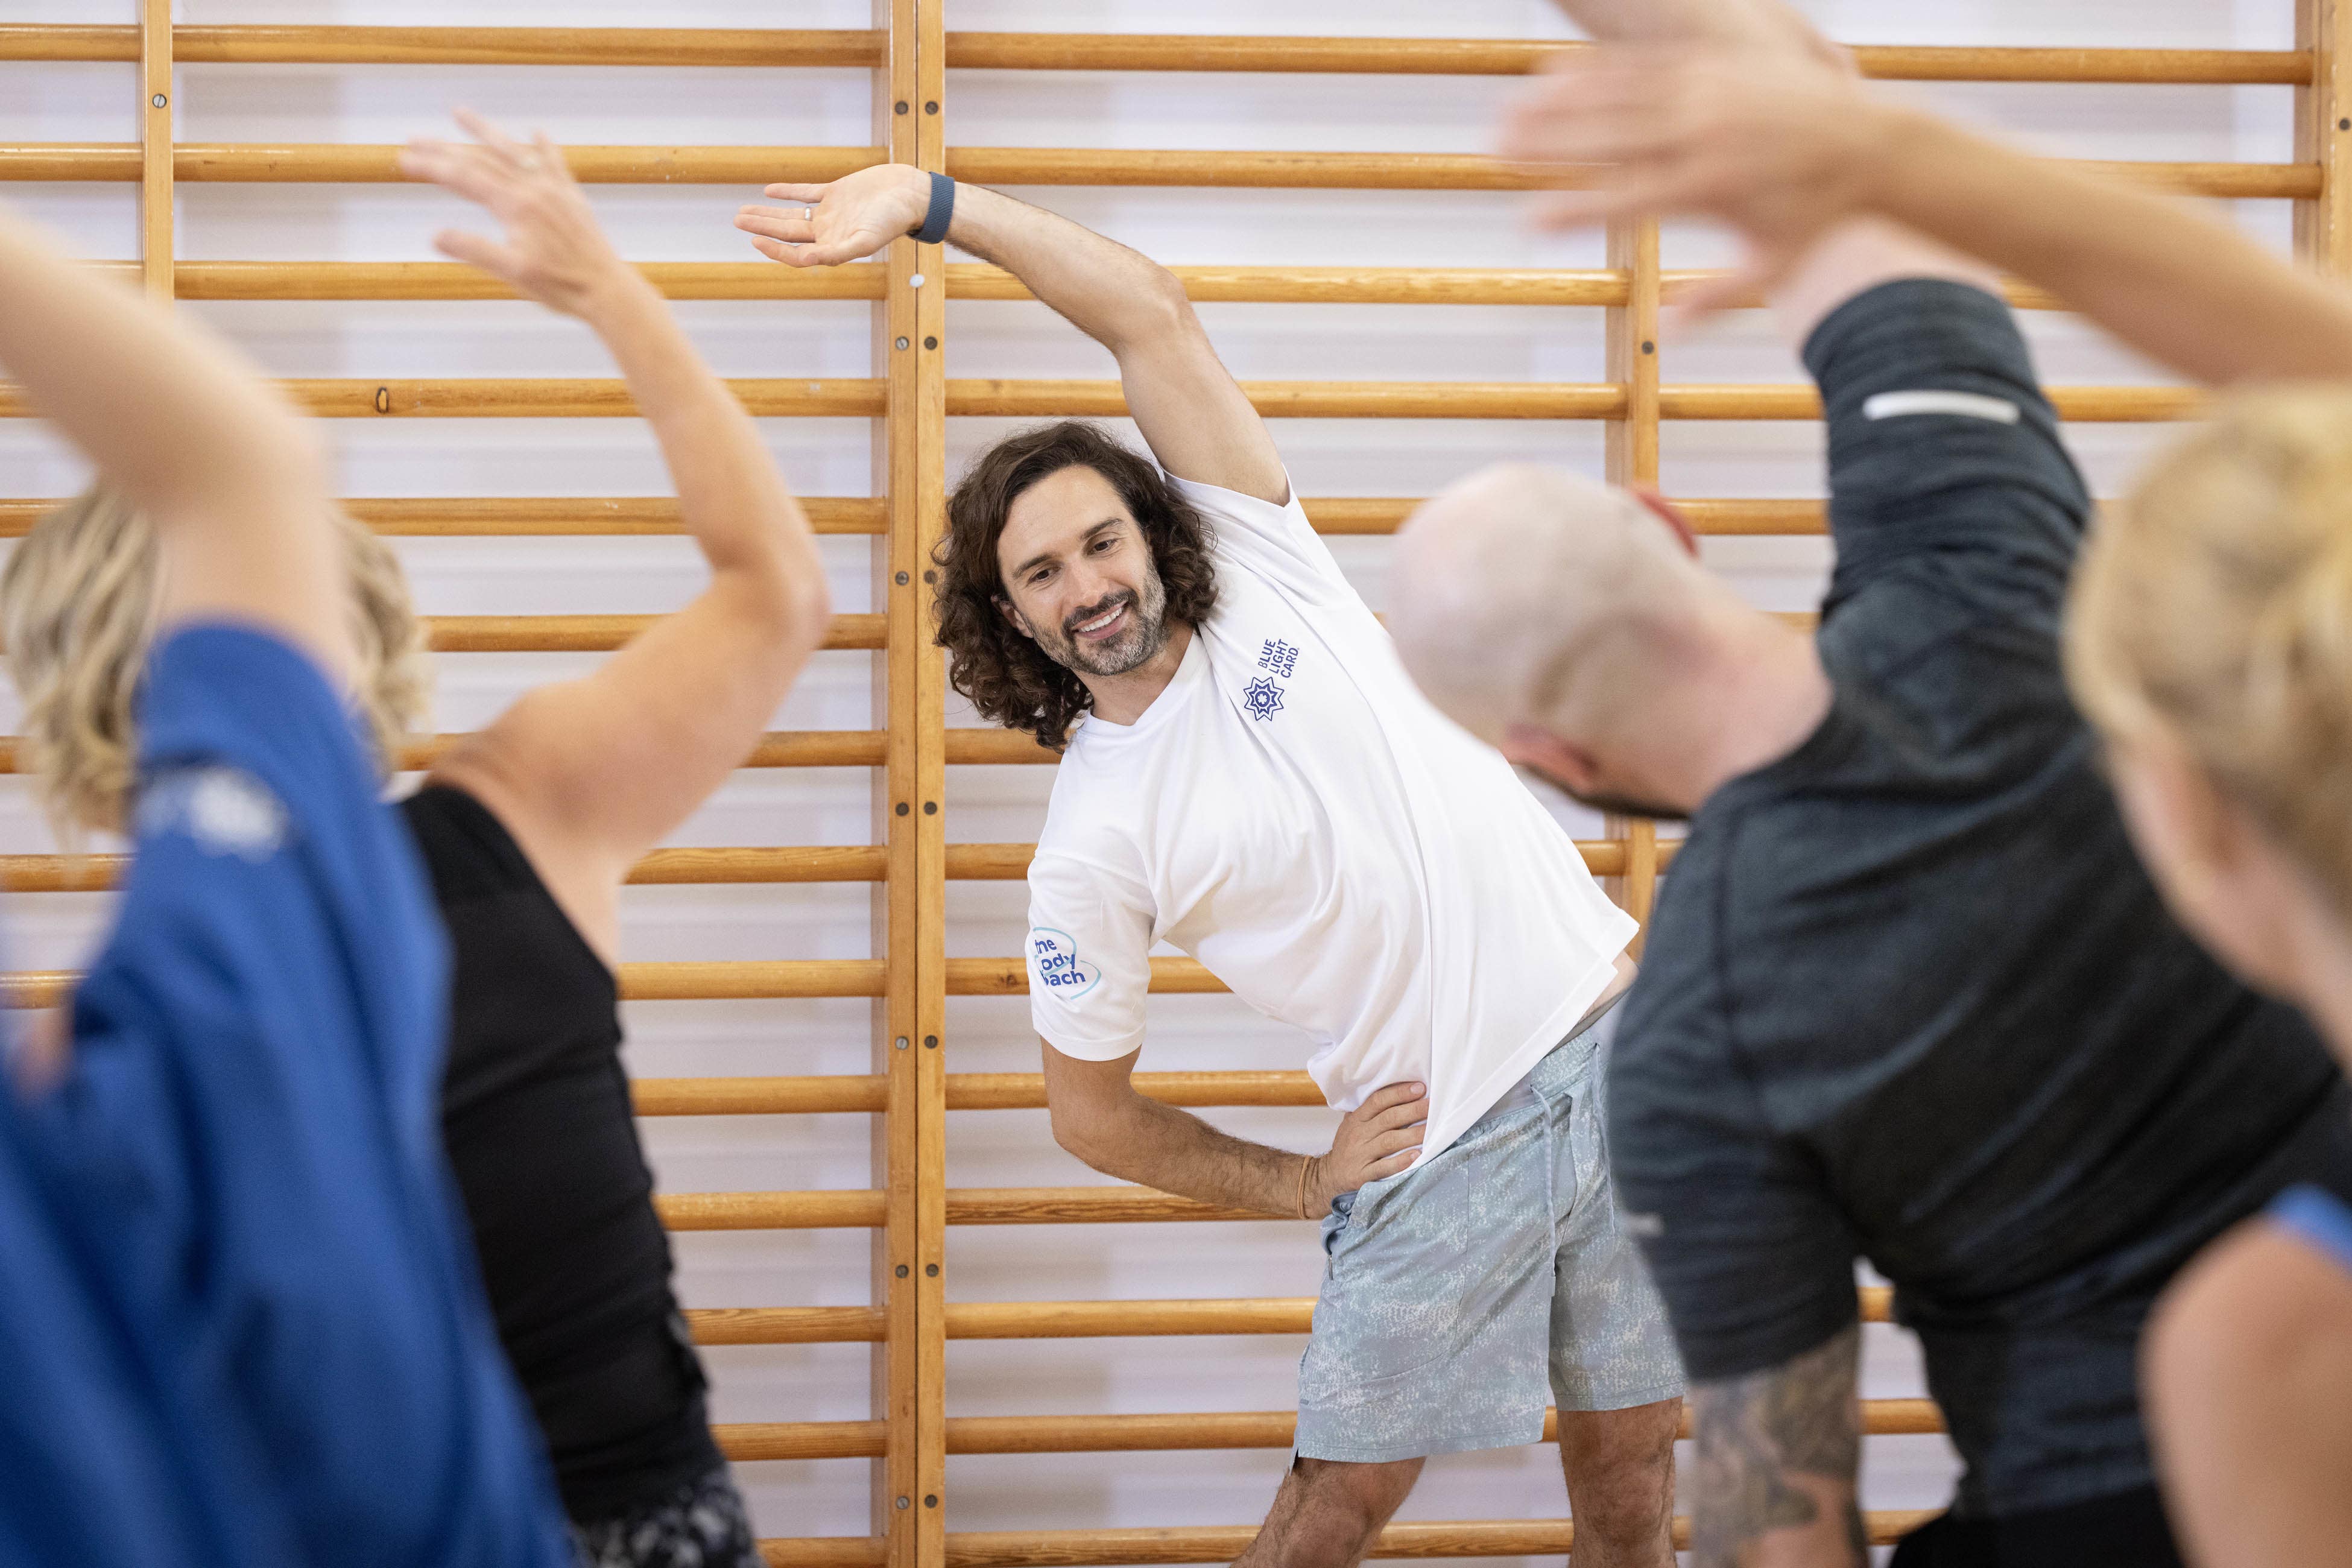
{"x": 700, "y": 1525}
{"x": 2127, "y": 1530}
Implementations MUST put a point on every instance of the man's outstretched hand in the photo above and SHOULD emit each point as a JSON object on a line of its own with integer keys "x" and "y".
{"x": 1782, "y": 147}
{"x": 842, "y": 220}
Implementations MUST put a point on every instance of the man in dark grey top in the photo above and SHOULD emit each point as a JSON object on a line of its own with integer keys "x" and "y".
{"x": 1907, "y": 995}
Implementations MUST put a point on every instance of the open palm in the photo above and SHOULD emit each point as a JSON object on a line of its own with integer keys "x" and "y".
{"x": 842, "y": 220}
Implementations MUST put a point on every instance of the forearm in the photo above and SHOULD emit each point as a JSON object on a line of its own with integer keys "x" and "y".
{"x": 731, "y": 498}
{"x": 1159, "y": 1146}
{"x": 169, "y": 415}
{"x": 1120, "y": 298}
{"x": 1779, "y": 1458}
{"x": 2180, "y": 287}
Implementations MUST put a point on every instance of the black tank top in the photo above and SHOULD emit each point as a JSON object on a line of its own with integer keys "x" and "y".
{"x": 535, "y": 1110}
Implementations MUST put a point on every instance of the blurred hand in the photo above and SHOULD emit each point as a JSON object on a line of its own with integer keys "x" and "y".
{"x": 842, "y": 220}
{"x": 1376, "y": 1139}
{"x": 1782, "y": 147}
{"x": 553, "y": 252}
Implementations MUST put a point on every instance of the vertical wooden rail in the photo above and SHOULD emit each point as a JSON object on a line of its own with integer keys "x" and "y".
{"x": 1632, "y": 460}
{"x": 2323, "y": 128}
{"x": 910, "y": 1365}
{"x": 155, "y": 148}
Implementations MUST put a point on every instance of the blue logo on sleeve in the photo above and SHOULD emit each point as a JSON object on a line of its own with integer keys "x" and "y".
{"x": 1054, "y": 963}
{"x": 1279, "y": 657}
{"x": 1262, "y": 698}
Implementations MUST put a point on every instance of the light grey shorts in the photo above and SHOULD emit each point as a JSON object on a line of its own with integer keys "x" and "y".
{"x": 1451, "y": 1290}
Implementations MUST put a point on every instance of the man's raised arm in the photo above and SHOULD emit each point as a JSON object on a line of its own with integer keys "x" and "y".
{"x": 1190, "y": 412}
{"x": 1785, "y": 149}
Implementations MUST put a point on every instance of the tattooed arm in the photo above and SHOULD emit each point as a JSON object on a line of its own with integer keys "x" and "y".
{"x": 1779, "y": 1453}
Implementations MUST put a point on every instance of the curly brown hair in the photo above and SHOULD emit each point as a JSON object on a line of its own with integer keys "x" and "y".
{"x": 992, "y": 661}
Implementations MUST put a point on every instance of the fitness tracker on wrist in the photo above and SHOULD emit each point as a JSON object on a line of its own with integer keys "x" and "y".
{"x": 939, "y": 215}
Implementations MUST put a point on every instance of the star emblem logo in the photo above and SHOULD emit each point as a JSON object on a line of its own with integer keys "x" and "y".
{"x": 1262, "y": 698}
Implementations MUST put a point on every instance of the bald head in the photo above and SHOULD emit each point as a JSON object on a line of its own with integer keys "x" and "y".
{"x": 1529, "y": 595}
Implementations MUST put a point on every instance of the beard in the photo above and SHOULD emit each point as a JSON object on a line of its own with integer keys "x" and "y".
{"x": 1137, "y": 643}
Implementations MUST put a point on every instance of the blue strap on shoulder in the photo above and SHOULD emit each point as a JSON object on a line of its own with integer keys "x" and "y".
{"x": 2319, "y": 1219}
{"x": 941, "y": 213}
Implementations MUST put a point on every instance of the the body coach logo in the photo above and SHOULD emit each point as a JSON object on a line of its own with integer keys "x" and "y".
{"x": 1054, "y": 963}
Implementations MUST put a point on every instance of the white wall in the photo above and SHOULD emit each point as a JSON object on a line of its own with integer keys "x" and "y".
{"x": 1329, "y": 458}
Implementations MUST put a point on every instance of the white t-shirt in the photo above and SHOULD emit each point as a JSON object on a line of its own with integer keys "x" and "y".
{"x": 1295, "y": 814}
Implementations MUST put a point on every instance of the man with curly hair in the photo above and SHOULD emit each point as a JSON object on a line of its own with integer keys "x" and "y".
{"x": 1249, "y": 775}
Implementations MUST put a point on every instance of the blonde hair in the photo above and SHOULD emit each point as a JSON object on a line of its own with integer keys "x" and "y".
{"x": 78, "y": 605}
{"x": 2215, "y": 604}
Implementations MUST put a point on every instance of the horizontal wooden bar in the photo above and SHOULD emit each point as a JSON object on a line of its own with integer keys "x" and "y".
{"x": 484, "y": 397}
{"x": 443, "y": 280}
{"x": 1010, "y": 977}
{"x": 251, "y": 44}
{"x": 356, "y": 164}
{"x": 1308, "y": 399}
{"x": 1224, "y": 1543}
{"x": 745, "y": 1440}
{"x": 965, "y": 1206}
{"x": 785, "y": 1325}
{"x": 456, "y": 280}
{"x": 816, "y": 863}
{"x": 475, "y": 517}
{"x": 751, "y": 980}
{"x": 1142, "y": 1434}
{"x": 1026, "y": 1091}
{"x": 1344, "y": 285}
{"x": 596, "y": 633}
{"x": 1470, "y": 171}
{"x": 778, "y": 749}
{"x": 261, "y": 44}
{"x": 767, "y": 979}
{"x": 1516, "y": 400}
{"x": 1053, "y": 1320}
{"x": 977, "y": 747}
{"x": 822, "y": 1210}
{"x": 1503, "y": 56}
{"x": 1010, "y": 862}
{"x": 759, "y": 1096}
{"x": 537, "y": 397}
{"x": 825, "y": 1551}
{"x": 965, "y": 1091}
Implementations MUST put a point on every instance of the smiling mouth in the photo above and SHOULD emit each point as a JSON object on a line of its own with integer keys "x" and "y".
{"x": 1103, "y": 625}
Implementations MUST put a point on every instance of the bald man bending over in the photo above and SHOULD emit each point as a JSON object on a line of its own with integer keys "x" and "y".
{"x": 1907, "y": 995}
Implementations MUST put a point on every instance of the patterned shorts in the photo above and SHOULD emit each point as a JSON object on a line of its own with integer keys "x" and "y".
{"x": 700, "y": 1525}
{"x": 1455, "y": 1292}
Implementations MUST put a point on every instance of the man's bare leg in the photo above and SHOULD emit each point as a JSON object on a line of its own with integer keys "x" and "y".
{"x": 1328, "y": 1513}
{"x": 1620, "y": 1465}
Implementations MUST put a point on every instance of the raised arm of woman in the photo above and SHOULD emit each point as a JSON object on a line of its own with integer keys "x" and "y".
{"x": 231, "y": 477}
{"x": 589, "y": 775}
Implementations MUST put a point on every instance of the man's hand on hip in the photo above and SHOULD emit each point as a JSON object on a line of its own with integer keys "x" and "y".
{"x": 1376, "y": 1139}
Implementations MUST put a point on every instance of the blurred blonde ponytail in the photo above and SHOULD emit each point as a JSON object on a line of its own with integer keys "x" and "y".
{"x": 2216, "y": 603}
{"x": 77, "y": 605}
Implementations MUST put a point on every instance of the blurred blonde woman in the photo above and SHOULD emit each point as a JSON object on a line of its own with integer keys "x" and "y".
{"x": 527, "y": 830}
{"x": 2209, "y": 640}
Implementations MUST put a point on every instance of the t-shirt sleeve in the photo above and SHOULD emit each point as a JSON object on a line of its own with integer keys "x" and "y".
{"x": 1089, "y": 955}
{"x": 1748, "y": 1248}
{"x": 1276, "y": 541}
{"x": 1940, "y": 439}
